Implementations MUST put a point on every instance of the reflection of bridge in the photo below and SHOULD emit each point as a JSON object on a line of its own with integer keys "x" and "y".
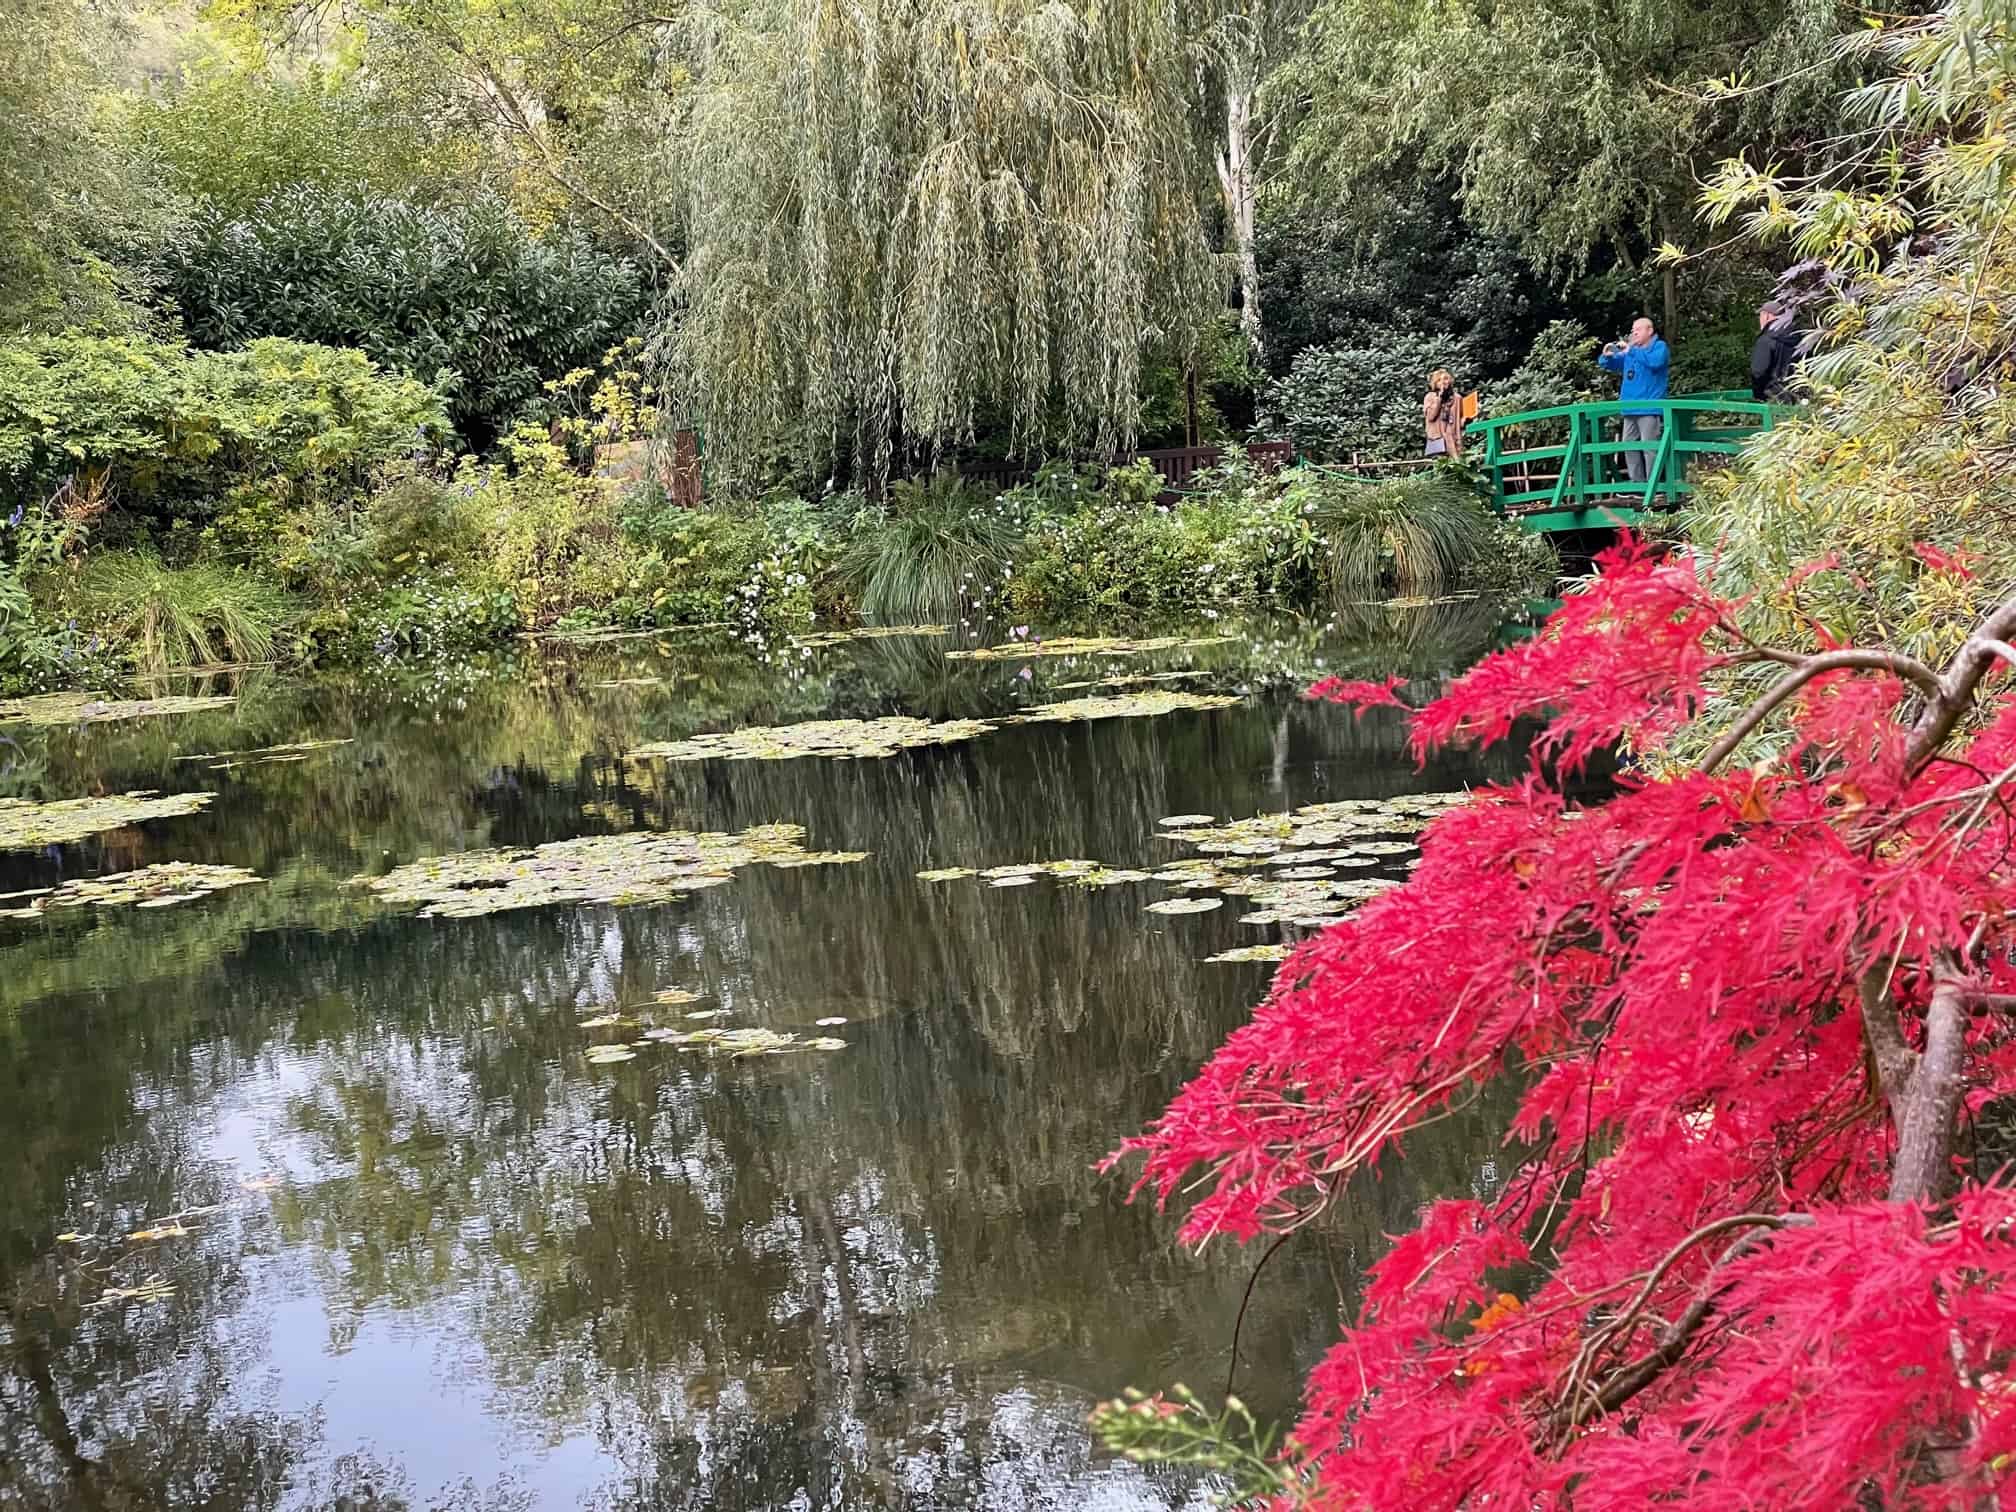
{"x": 1564, "y": 469}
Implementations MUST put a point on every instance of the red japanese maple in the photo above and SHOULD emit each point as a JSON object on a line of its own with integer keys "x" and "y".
{"x": 1739, "y": 1262}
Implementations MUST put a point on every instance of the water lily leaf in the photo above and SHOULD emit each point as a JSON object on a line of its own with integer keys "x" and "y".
{"x": 1303, "y": 873}
{"x": 158, "y": 886}
{"x": 867, "y": 632}
{"x": 1019, "y": 870}
{"x": 95, "y": 708}
{"x": 710, "y": 1013}
{"x": 1188, "y": 819}
{"x": 838, "y": 738}
{"x": 676, "y": 995}
{"x": 30, "y": 826}
{"x": 947, "y": 874}
{"x": 293, "y": 751}
{"x": 1185, "y": 905}
{"x": 153, "y": 1289}
{"x": 828, "y": 1023}
{"x": 601, "y": 1021}
{"x": 1112, "y": 876}
{"x": 1074, "y": 645}
{"x": 641, "y": 867}
{"x": 169, "y": 1229}
{"x": 1018, "y": 880}
{"x": 1252, "y": 953}
{"x": 609, "y": 1055}
{"x": 826, "y": 1043}
{"x": 1123, "y": 706}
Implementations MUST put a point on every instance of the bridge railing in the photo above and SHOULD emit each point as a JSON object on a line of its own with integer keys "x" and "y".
{"x": 1565, "y": 468}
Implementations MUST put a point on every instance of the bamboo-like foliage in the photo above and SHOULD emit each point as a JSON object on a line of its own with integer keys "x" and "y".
{"x": 900, "y": 218}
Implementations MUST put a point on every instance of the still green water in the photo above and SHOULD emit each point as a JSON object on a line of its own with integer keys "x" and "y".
{"x": 433, "y": 1257}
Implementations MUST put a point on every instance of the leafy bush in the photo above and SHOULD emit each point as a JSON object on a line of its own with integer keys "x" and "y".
{"x": 933, "y": 545}
{"x": 1339, "y": 400}
{"x": 1560, "y": 368}
{"x": 1214, "y": 550}
{"x": 460, "y": 290}
{"x": 231, "y": 134}
{"x": 170, "y": 429}
{"x": 166, "y": 617}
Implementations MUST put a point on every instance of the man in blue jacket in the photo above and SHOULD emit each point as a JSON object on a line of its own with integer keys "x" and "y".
{"x": 1642, "y": 361}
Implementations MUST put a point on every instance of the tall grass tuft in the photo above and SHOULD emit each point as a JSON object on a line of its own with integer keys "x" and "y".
{"x": 181, "y": 616}
{"x": 909, "y": 562}
{"x": 1412, "y": 535}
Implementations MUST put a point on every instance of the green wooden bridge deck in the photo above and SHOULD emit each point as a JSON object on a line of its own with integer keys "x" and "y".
{"x": 1564, "y": 469}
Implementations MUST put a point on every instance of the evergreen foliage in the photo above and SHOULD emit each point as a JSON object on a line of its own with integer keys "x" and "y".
{"x": 461, "y": 293}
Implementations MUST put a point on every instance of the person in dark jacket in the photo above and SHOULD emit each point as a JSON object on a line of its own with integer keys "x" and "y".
{"x": 1771, "y": 359}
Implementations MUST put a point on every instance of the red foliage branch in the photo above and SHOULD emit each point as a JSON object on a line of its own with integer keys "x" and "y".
{"x": 1744, "y": 1011}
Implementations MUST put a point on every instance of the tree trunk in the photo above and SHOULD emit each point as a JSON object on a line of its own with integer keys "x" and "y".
{"x": 1235, "y": 182}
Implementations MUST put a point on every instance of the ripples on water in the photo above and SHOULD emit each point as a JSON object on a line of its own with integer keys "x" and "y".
{"x": 440, "y": 1260}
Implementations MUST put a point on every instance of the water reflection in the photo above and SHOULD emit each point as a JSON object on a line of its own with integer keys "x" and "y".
{"x": 449, "y": 1263}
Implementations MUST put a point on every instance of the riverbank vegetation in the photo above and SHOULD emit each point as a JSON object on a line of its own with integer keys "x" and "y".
{"x": 357, "y": 331}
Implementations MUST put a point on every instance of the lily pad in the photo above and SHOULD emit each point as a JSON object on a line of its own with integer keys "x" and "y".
{"x": 1124, "y": 706}
{"x": 1185, "y": 905}
{"x": 642, "y": 867}
{"x": 867, "y": 632}
{"x": 828, "y": 1023}
{"x": 1252, "y": 953}
{"x": 1188, "y": 819}
{"x": 298, "y": 750}
{"x": 742, "y": 1042}
{"x": 676, "y": 995}
{"x": 1018, "y": 879}
{"x": 95, "y": 708}
{"x": 947, "y": 874}
{"x": 30, "y": 826}
{"x": 148, "y": 887}
{"x": 609, "y": 1055}
{"x": 841, "y": 739}
{"x": 1075, "y": 645}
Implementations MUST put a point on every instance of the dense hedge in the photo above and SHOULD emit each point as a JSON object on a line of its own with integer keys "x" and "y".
{"x": 461, "y": 294}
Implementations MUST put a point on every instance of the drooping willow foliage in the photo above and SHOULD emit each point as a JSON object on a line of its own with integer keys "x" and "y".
{"x": 902, "y": 219}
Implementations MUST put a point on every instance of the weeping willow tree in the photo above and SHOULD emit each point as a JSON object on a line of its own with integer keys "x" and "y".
{"x": 906, "y": 220}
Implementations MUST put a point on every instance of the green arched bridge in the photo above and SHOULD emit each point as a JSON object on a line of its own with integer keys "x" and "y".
{"x": 1564, "y": 468}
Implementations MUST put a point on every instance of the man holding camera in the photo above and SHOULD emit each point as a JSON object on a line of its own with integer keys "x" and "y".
{"x": 1642, "y": 361}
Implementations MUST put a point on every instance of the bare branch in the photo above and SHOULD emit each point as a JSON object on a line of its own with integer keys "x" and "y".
{"x": 1808, "y": 668}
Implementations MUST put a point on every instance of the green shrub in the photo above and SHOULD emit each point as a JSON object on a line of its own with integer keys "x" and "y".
{"x": 929, "y": 550}
{"x": 233, "y": 133}
{"x": 464, "y": 291}
{"x": 166, "y": 617}
{"x": 1337, "y": 401}
{"x": 172, "y": 430}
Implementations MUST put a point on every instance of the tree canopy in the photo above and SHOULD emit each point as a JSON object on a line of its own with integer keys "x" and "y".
{"x": 897, "y": 218}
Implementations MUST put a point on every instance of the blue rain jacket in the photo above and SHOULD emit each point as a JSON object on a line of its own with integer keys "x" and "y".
{"x": 1644, "y": 370}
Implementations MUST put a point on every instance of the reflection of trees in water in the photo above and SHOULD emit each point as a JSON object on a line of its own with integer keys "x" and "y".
{"x": 887, "y": 1276}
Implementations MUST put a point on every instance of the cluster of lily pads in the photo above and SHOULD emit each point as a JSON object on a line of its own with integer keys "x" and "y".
{"x": 868, "y": 632}
{"x": 159, "y": 886}
{"x": 651, "y": 866}
{"x": 734, "y": 1042}
{"x": 847, "y": 739}
{"x": 1082, "y": 645}
{"x": 1290, "y": 868}
{"x": 841, "y": 738}
{"x": 95, "y": 708}
{"x": 299, "y": 750}
{"x": 26, "y": 825}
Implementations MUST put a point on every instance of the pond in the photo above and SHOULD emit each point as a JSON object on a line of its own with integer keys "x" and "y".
{"x": 311, "y": 1191}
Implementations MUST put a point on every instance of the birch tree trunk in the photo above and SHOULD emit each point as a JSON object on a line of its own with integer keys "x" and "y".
{"x": 1236, "y": 183}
